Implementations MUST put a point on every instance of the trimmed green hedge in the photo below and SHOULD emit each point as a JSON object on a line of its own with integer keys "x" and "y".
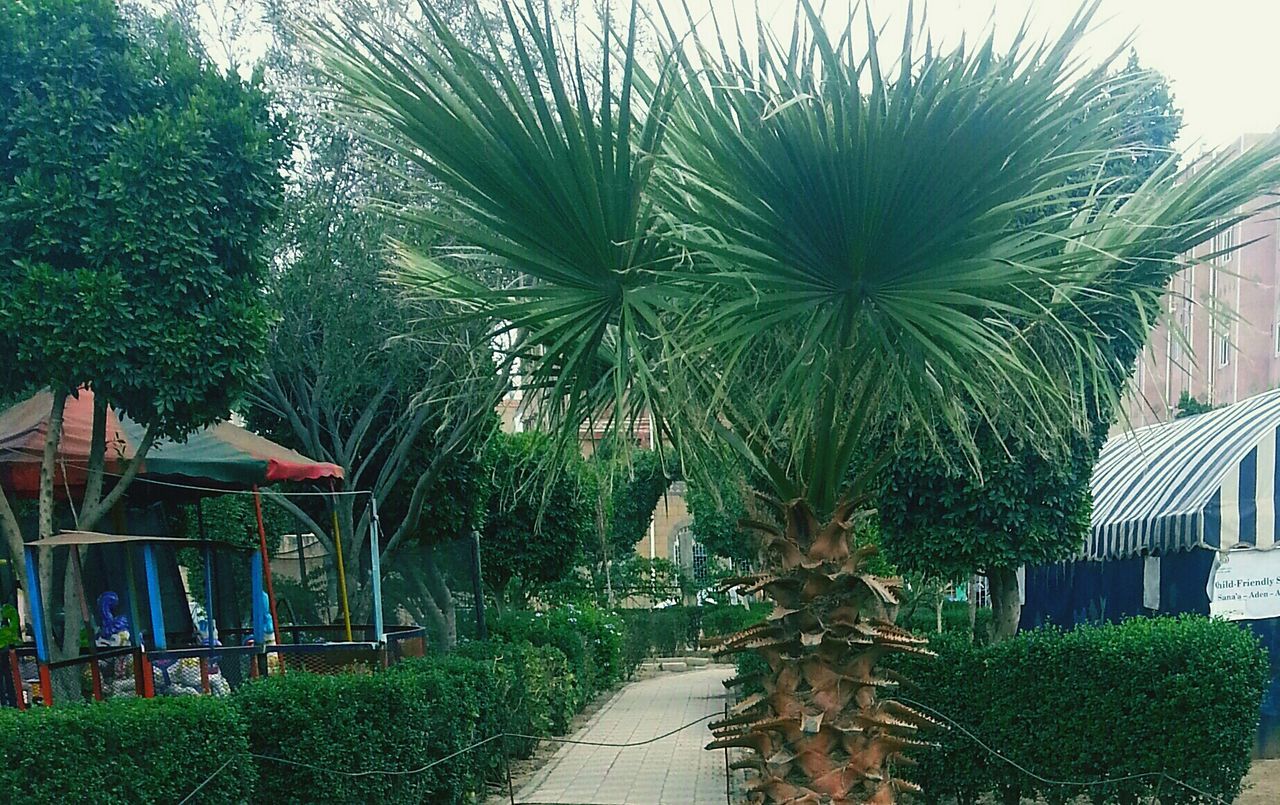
{"x": 307, "y": 728}
{"x": 393, "y": 721}
{"x": 543, "y": 689}
{"x": 126, "y": 751}
{"x": 670, "y": 630}
{"x": 591, "y": 640}
{"x": 1176, "y": 695}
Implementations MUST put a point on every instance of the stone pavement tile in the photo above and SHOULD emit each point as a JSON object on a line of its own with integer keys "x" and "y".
{"x": 675, "y": 770}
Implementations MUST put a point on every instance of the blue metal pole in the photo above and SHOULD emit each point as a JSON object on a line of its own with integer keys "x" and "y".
{"x": 211, "y": 624}
{"x": 37, "y": 606}
{"x": 153, "y": 597}
{"x": 375, "y": 565}
{"x": 255, "y": 591}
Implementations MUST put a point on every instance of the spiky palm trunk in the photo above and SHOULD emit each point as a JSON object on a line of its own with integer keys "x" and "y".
{"x": 822, "y": 731}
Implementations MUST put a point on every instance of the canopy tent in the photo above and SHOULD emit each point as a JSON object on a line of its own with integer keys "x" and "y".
{"x": 1171, "y": 502}
{"x": 1205, "y": 481}
{"x": 223, "y": 455}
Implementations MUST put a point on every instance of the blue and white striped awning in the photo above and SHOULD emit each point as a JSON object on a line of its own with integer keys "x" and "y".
{"x": 1204, "y": 481}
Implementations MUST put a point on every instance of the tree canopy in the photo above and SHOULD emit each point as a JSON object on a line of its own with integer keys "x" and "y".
{"x": 534, "y": 532}
{"x": 137, "y": 184}
{"x": 1028, "y": 506}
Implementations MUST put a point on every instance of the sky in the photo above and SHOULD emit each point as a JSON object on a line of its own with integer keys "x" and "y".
{"x": 1222, "y": 57}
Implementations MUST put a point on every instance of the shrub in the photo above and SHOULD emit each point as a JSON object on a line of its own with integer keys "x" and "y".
{"x": 420, "y": 710}
{"x": 1176, "y": 695}
{"x": 661, "y": 632}
{"x": 955, "y": 620}
{"x": 540, "y": 699}
{"x": 725, "y": 619}
{"x": 563, "y": 629}
{"x": 125, "y": 751}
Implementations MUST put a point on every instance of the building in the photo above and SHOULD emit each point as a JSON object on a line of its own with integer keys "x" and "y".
{"x": 1222, "y": 341}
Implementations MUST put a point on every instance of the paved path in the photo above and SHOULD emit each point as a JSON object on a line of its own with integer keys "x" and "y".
{"x": 672, "y": 771}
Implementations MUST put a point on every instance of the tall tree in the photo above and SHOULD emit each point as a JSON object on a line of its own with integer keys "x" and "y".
{"x": 534, "y": 532}
{"x": 135, "y": 186}
{"x": 403, "y": 416}
{"x": 785, "y": 250}
{"x": 1029, "y": 506}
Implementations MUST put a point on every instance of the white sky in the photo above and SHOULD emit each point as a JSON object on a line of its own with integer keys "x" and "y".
{"x": 1222, "y": 57}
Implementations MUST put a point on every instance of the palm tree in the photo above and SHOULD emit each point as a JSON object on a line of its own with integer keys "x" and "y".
{"x": 793, "y": 253}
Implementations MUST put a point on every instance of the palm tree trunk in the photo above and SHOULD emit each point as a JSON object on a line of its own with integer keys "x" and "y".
{"x": 823, "y": 729}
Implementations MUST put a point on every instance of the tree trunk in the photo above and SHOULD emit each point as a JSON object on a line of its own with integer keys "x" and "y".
{"x": 823, "y": 731}
{"x": 1006, "y": 605}
{"x": 972, "y": 598}
{"x": 48, "y": 469}
{"x": 13, "y": 539}
{"x": 442, "y": 598}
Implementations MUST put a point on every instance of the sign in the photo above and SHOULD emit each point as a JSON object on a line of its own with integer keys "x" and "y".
{"x": 1245, "y": 585}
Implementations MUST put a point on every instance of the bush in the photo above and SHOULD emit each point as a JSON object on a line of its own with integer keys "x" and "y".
{"x": 539, "y": 699}
{"x": 420, "y": 710}
{"x": 125, "y": 751}
{"x": 725, "y": 619}
{"x": 591, "y": 640}
{"x": 660, "y": 632}
{"x": 955, "y": 620}
{"x": 1176, "y": 695}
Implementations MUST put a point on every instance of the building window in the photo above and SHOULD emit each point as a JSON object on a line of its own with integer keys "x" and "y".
{"x": 699, "y": 563}
{"x": 1275, "y": 329}
{"x": 1224, "y": 350}
{"x": 1213, "y": 282}
{"x": 1224, "y": 241}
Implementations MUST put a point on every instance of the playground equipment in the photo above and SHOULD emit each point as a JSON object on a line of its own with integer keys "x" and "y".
{"x": 132, "y": 652}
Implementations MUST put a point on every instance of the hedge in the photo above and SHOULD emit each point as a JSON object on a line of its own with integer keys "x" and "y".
{"x": 1175, "y": 695}
{"x": 396, "y": 721}
{"x": 591, "y": 640}
{"x": 667, "y": 631}
{"x": 540, "y": 697}
{"x": 126, "y": 751}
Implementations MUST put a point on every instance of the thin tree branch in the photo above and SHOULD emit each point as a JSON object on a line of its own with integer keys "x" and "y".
{"x": 97, "y": 453}
{"x": 90, "y": 517}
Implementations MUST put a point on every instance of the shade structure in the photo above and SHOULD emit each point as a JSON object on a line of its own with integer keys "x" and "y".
{"x": 221, "y": 456}
{"x": 1206, "y": 481}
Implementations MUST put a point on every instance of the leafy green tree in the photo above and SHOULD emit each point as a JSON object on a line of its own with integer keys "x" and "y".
{"x": 1190, "y": 406}
{"x": 135, "y": 188}
{"x": 534, "y": 532}
{"x": 404, "y": 417}
{"x": 785, "y": 251}
{"x": 1027, "y": 506}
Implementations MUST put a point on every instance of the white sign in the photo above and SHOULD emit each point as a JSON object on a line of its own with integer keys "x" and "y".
{"x": 1245, "y": 585}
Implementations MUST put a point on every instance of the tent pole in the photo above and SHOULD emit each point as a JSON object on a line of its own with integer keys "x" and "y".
{"x": 158, "y": 637}
{"x": 266, "y": 565}
{"x": 342, "y": 571}
{"x": 375, "y": 564}
{"x": 210, "y": 620}
{"x": 95, "y": 674}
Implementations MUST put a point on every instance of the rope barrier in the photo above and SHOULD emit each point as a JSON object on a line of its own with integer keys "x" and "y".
{"x": 502, "y": 735}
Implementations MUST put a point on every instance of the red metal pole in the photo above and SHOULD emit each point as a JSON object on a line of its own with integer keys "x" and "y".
{"x": 204, "y": 675}
{"x": 46, "y": 685}
{"x": 16, "y": 672}
{"x": 266, "y": 568}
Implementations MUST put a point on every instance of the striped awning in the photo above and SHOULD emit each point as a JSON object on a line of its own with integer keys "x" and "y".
{"x": 1204, "y": 481}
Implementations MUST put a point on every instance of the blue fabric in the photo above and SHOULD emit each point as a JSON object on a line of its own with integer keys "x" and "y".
{"x": 1071, "y": 593}
{"x": 1150, "y": 484}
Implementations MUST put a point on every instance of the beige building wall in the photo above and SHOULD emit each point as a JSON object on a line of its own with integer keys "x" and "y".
{"x": 1228, "y": 312}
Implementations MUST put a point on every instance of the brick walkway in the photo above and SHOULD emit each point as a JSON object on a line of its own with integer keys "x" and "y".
{"x": 672, "y": 771}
